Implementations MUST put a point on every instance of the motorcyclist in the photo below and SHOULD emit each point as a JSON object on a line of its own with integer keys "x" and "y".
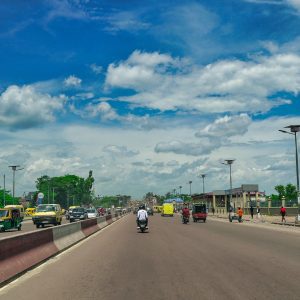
{"x": 185, "y": 212}
{"x": 142, "y": 215}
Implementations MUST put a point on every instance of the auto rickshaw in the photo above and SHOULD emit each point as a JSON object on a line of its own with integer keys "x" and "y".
{"x": 10, "y": 218}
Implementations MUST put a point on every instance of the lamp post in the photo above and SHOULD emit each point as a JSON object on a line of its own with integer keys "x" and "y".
{"x": 190, "y": 183}
{"x": 180, "y": 187}
{"x": 293, "y": 130}
{"x": 203, "y": 191}
{"x": 4, "y": 191}
{"x": 53, "y": 189}
{"x": 14, "y": 169}
{"x": 229, "y": 162}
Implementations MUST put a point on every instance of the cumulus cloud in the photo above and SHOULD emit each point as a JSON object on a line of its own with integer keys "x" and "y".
{"x": 179, "y": 147}
{"x": 212, "y": 137}
{"x": 226, "y": 126}
{"x": 24, "y": 107}
{"x": 162, "y": 82}
{"x": 107, "y": 113}
{"x": 72, "y": 81}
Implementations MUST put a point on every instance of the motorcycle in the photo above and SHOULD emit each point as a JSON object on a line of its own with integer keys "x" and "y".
{"x": 185, "y": 219}
{"x": 142, "y": 225}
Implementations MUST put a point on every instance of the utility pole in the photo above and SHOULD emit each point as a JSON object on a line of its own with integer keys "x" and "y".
{"x": 190, "y": 183}
{"x": 180, "y": 187}
{"x": 4, "y": 191}
{"x": 229, "y": 162}
{"x": 14, "y": 169}
{"x": 203, "y": 176}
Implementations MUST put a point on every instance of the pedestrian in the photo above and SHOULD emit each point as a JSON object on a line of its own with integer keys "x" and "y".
{"x": 283, "y": 213}
{"x": 213, "y": 210}
{"x": 258, "y": 212}
{"x": 251, "y": 211}
{"x": 240, "y": 214}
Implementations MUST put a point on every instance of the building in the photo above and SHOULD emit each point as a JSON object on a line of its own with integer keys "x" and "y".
{"x": 243, "y": 196}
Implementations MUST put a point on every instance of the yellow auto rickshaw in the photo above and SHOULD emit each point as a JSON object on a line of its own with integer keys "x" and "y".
{"x": 10, "y": 218}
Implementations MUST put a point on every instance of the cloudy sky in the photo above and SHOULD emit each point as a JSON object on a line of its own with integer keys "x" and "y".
{"x": 149, "y": 94}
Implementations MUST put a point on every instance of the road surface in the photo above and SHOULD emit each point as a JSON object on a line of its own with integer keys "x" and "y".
{"x": 213, "y": 260}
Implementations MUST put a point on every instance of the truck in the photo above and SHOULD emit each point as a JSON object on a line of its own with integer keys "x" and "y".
{"x": 167, "y": 210}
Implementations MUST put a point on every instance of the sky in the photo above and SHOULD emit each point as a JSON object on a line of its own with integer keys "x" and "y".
{"x": 149, "y": 94}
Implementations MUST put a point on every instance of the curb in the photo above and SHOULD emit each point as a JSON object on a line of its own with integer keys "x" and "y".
{"x": 22, "y": 252}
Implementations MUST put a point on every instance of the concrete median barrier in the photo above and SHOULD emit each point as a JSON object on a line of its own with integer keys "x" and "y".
{"x": 89, "y": 227}
{"x": 67, "y": 235}
{"x": 102, "y": 222}
{"x": 22, "y": 252}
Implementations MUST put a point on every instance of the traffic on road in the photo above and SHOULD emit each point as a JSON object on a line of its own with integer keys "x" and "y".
{"x": 215, "y": 259}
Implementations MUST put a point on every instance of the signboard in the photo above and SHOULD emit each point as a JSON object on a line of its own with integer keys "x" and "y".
{"x": 40, "y": 198}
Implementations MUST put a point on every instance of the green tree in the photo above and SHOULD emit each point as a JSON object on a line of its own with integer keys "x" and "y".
{"x": 66, "y": 190}
{"x": 9, "y": 200}
{"x": 290, "y": 192}
{"x": 280, "y": 190}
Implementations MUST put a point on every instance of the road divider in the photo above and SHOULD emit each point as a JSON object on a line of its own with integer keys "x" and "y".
{"x": 22, "y": 252}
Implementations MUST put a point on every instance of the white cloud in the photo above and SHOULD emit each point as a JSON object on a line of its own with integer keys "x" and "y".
{"x": 163, "y": 83}
{"x": 24, "y": 107}
{"x": 295, "y": 4}
{"x": 212, "y": 137}
{"x": 96, "y": 69}
{"x": 125, "y": 21}
{"x": 72, "y": 81}
{"x": 226, "y": 127}
{"x": 116, "y": 150}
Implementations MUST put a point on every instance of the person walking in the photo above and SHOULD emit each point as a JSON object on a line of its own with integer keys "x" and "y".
{"x": 240, "y": 214}
{"x": 283, "y": 213}
{"x": 258, "y": 212}
{"x": 251, "y": 211}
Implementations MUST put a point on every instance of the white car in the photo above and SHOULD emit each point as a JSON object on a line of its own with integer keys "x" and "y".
{"x": 92, "y": 213}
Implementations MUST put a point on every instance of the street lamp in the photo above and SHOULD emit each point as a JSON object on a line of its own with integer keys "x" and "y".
{"x": 14, "y": 169}
{"x": 203, "y": 176}
{"x": 180, "y": 187}
{"x": 229, "y": 162}
{"x": 293, "y": 130}
{"x": 53, "y": 189}
{"x": 190, "y": 183}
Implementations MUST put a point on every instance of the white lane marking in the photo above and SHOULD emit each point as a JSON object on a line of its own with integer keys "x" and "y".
{"x": 31, "y": 273}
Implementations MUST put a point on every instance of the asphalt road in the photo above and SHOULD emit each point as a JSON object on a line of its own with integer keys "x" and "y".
{"x": 213, "y": 260}
{"x": 26, "y": 227}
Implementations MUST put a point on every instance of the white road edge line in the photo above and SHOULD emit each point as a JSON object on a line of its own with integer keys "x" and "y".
{"x": 29, "y": 274}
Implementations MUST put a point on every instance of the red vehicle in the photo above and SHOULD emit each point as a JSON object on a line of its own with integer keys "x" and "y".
{"x": 199, "y": 212}
{"x": 101, "y": 211}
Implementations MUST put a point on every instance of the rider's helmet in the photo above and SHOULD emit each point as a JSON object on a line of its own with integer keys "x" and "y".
{"x": 142, "y": 206}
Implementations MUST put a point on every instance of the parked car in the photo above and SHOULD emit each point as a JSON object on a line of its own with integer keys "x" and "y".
{"x": 92, "y": 213}
{"x": 78, "y": 213}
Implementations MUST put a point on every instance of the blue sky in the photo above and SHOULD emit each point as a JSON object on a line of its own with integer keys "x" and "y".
{"x": 149, "y": 94}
